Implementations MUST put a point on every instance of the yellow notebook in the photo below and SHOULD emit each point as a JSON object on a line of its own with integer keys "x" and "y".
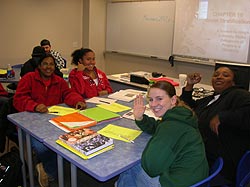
{"x": 63, "y": 144}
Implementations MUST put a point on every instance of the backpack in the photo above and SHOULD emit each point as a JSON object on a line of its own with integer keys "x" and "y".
{"x": 11, "y": 169}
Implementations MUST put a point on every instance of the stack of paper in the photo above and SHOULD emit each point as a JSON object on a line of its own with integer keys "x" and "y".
{"x": 73, "y": 121}
{"x": 120, "y": 133}
{"x": 148, "y": 112}
{"x": 61, "y": 110}
{"x": 127, "y": 95}
{"x": 84, "y": 118}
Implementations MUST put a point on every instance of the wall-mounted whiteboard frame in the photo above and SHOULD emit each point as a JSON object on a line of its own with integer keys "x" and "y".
{"x": 142, "y": 28}
{"x": 212, "y": 30}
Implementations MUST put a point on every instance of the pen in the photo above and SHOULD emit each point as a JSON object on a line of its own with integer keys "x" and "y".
{"x": 104, "y": 101}
{"x": 54, "y": 112}
{"x": 121, "y": 136}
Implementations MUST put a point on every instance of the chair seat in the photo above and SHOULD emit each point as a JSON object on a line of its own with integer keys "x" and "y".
{"x": 213, "y": 172}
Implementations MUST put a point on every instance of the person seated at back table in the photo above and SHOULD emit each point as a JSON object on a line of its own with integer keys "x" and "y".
{"x": 60, "y": 61}
{"x": 175, "y": 154}
{"x": 35, "y": 92}
{"x": 30, "y": 65}
{"x": 4, "y": 107}
{"x": 86, "y": 79}
{"x": 224, "y": 118}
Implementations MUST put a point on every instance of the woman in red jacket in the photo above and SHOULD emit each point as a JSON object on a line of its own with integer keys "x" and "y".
{"x": 35, "y": 92}
{"x": 86, "y": 79}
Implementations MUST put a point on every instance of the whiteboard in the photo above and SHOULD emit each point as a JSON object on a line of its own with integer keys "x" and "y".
{"x": 141, "y": 28}
{"x": 213, "y": 29}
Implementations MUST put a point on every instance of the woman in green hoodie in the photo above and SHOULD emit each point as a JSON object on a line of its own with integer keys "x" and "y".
{"x": 175, "y": 154}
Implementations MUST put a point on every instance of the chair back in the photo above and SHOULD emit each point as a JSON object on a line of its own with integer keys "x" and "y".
{"x": 243, "y": 171}
{"x": 213, "y": 172}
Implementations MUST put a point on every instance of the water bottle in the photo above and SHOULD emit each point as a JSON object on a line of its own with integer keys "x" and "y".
{"x": 9, "y": 69}
{"x": 150, "y": 84}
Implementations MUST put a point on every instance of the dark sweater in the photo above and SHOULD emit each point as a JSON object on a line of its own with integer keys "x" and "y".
{"x": 233, "y": 108}
{"x": 32, "y": 64}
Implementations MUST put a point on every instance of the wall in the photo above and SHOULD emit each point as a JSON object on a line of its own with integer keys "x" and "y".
{"x": 118, "y": 63}
{"x": 25, "y": 23}
{"x": 81, "y": 22}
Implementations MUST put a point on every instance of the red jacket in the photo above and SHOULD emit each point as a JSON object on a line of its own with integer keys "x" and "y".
{"x": 3, "y": 92}
{"x": 32, "y": 91}
{"x": 85, "y": 85}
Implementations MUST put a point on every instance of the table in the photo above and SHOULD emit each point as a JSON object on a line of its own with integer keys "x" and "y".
{"x": 118, "y": 82}
{"x": 102, "y": 167}
{"x": 30, "y": 124}
{"x": 14, "y": 79}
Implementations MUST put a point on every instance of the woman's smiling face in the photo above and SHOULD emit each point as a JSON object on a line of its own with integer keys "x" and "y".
{"x": 222, "y": 79}
{"x": 160, "y": 102}
{"x": 47, "y": 67}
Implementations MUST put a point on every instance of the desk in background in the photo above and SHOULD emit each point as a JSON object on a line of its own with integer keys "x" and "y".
{"x": 14, "y": 79}
{"x": 102, "y": 167}
{"x": 122, "y": 81}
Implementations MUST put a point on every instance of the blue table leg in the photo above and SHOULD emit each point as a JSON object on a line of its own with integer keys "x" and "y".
{"x": 60, "y": 171}
{"x": 73, "y": 175}
{"x": 21, "y": 150}
{"x": 29, "y": 156}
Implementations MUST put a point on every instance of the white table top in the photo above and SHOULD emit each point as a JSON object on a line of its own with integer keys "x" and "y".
{"x": 124, "y": 78}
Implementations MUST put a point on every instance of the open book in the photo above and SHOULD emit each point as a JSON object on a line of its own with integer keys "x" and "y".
{"x": 83, "y": 119}
{"x": 86, "y": 143}
{"x": 127, "y": 95}
{"x": 148, "y": 112}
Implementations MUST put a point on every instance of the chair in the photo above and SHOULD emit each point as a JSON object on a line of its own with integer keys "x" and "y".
{"x": 243, "y": 170}
{"x": 213, "y": 172}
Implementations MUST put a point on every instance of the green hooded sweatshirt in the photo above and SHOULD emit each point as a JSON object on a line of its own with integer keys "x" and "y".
{"x": 175, "y": 151}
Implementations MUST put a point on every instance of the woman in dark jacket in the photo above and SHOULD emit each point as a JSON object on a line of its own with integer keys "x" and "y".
{"x": 224, "y": 118}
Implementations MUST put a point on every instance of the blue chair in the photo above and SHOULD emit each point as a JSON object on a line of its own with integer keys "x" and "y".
{"x": 213, "y": 172}
{"x": 243, "y": 171}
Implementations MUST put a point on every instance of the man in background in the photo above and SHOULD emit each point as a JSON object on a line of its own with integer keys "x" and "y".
{"x": 60, "y": 61}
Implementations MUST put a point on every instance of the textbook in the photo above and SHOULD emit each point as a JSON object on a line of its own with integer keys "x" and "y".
{"x": 84, "y": 118}
{"x": 73, "y": 121}
{"x": 85, "y": 142}
{"x": 126, "y": 95}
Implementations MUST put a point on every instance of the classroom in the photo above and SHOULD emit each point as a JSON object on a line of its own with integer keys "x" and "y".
{"x": 70, "y": 25}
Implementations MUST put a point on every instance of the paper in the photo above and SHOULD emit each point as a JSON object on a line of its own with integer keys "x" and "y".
{"x": 120, "y": 133}
{"x": 100, "y": 100}
{"x": 114, "y": 107}
{"x": 72, "y": 121}
{"x": 127, "y": 95}
{"x": 99, "y": 114}
{"x": 3, "y": 71}
{"x": 61, "y": 110}
{"x": 148, "y": 112}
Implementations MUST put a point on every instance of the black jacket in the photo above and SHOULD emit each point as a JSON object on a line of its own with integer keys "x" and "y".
{"x": 233, "y": 108}
{"x": 32, "y": 64}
